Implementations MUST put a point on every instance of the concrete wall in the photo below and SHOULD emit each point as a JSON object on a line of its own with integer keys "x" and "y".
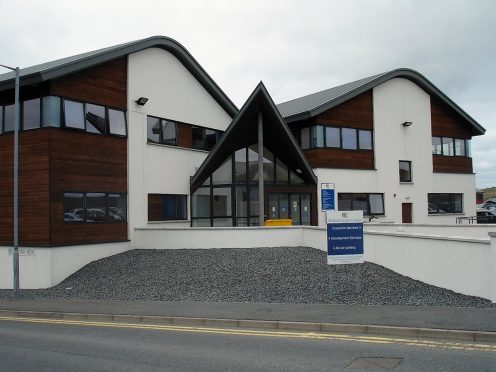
{"x": 396, "y": 101}
{"x": 47, "y": 267}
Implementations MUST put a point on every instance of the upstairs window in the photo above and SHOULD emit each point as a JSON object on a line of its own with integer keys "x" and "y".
{"x": 204, "y": 138}
{"x": 74, "y": 114}
{"x": 345, "y": 138}
{"x": 31, "y": 114}
{"x": 8, "y": 118}
{"x": 405, "y": 168}
{"x": 447, "y": 146}
{"x": 161, "y": 131}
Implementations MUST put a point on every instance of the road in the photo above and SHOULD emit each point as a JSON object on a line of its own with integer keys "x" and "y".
{"x": 56, "y": 345}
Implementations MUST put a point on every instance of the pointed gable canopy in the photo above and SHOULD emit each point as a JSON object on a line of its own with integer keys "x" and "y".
{"x": 242, "y": 132}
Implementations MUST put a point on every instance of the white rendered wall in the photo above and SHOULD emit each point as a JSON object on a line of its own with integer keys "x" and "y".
{"x": 47, "y": 267}
{"x": 173, "y": 94}
{"x": 396, "y": 101}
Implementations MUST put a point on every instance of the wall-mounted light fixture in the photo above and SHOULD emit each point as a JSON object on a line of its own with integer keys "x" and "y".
{"x": 407, "y": 123}
{"x": 141, "y": 101}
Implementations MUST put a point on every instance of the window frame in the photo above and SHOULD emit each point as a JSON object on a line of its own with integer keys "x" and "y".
{"x": 410, "y": 174}
{"x": 466, "y": 147}
{"x": 451, "y": 201}
{"x": 322, "y": 129}
{"x": 368, "y": 194}
{"x": 85, "y": 219}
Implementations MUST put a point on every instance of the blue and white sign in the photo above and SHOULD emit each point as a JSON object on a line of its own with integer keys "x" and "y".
{"x": 344, "y": 237}
{"x": 327, "y": 197}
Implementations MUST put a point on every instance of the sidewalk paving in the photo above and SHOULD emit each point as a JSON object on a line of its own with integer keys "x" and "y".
{"x": 452, "y": 318}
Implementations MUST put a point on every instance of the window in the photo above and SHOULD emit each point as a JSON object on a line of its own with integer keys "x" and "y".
{"x": 117, "y": 122}
{"x": 167, "y": 207}
{"x": 445, "y": 203}
{"x": 51, "y": 112}
{"x": 345, "y": 138}
{"x": 405, "y": 171}
{"x": 74, "y": 114}
{"x": 161, "y": 131}
{"x": 94, "y": 207}
{"x": 31, "y": 114}
{"x": 204, "y": 138}
{"x": 317, "y": 136}
{"x": 365, "y": 139}
{"x": 95, "y": 119}
{"x": 450, "y": 146}
{"x": 370, "y": 204}
{"x": 349, "y": 138}
{"x": 8, "y": 118}
{"x": 333, "y": 137}
{"x": 1, "y": 119}
{"x": 305, "y": 138}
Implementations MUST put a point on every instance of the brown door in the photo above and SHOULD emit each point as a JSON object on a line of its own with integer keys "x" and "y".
{"x": 406, "y": 212}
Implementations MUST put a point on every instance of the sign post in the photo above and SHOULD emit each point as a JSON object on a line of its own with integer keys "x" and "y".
{"x": 345, "y": 241}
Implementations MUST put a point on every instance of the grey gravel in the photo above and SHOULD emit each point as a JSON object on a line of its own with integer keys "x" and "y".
{"x": 264, "y": 275}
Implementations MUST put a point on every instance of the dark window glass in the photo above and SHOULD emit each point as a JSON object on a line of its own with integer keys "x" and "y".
{"x": 117, "y": 122}
{"x": 437, "y": 147}
{"x": 268, "y": 165}
{"x": 73, "y": 114}
{"x": 459, "y": 147}
{"x": 197, "y": 134}
{"x": 95, "y": 207}
{"x": 204, "y": 222}
{"x": 445, "y": 203}
{"x": 333, "y": 137}
{"x": 210, "y": 139}
{"x": 51, "y": 112}
{"x": 117, "y": 207}
{"x": 168, "y": 132}
{"x": 1, "y": 119}
{"x": 283, "y": 206}
{"x": 242, "y": 222}
{"x": 305, "y": 138}
{"x": 294, "y": 179}
{"x": 153, "y": 129}
{"x": 175, "y": 207}
{"x": 253, "y": 163}
{"x": 31, "y": 114}
{"x": 368, "y": 203}
{"x": 305, "y": 208}
{"x": 448, "y": 147}
{"x": 73, "y": 207}
{"x": 241, "y": 201}
{"x": 349, "y": 138}
{"x": 8, "y": 123}
{"x": 282, "y": 175}
{"x": 95, "y": 119}
{"x": 253, "y": 204}
{"x": 405, "y": 171}
{"x": 365, "y": 139}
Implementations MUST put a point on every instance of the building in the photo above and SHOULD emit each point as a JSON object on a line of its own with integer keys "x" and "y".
{"x": 138, "y": 135}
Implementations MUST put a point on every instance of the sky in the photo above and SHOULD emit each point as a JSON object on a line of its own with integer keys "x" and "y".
{"x": 294, "y": 47}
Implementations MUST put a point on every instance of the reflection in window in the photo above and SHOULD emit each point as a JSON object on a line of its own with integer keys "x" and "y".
{"x": 333, "y": 137}
{"x": 221, "y": 201}
{"x": 51, "y": 112}
{"x": 204, "y": 138}
{"x": 445, "y": 203}
{"x": 117, "y": 122}
{"x": 116, "y": 207}
{"x": 31, "y": 114}
{"x": 95, "y": 207}
{"x": 200, "y": 200}
{"x": 8, "y": 118}
{"x": 281, "y": 172}
{"x": 405, "y": 168}
{"x": 459, "y": 147}
{"x": 349, "y": 138}
{"x": 240, "y": 165}
{"x": 437, "y": 147}
{"x": 73, "y": 114}
{"x": 223, "y": 174}
{"x": 168, "y": 132}
{"x": 448, "y": 146}
{"x": 153, "y": 129}
{"x": 370, "y": 204}
{"x": 241, "y": 201}
{"x": 73, "y": 207}
{"x": 317, "y": 136}
{"x": 95, "y": 119}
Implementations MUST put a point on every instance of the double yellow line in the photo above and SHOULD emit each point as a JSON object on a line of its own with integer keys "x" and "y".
{"x": 466, "y": 346}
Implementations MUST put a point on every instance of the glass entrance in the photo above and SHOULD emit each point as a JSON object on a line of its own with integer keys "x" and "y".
{"x": 294, "y": 205}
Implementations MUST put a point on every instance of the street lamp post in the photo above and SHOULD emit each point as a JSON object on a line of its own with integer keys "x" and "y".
{"x": 17, "y": 112}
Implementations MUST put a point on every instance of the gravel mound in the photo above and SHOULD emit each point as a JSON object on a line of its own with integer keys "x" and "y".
{"x": 267, "y": 275}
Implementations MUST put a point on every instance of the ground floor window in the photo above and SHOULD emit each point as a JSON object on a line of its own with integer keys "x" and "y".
{"x": 95, "y": 207}
{"x": 370, "y": 204}
{"x": 445, "y": 203}
{"x": 167, "y": 207}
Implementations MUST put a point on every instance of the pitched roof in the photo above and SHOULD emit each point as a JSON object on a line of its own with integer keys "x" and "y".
{"x": 69, "y": 65}
{"x": 314, "y": 104}
{"x": 242, "y": 132}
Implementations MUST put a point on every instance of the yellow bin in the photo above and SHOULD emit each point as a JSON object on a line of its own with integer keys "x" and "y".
{"x": 280, "y": 222}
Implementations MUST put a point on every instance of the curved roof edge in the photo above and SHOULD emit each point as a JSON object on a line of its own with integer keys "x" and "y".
{"x": 406, "y": 73}
{"x": 69, "y": 65}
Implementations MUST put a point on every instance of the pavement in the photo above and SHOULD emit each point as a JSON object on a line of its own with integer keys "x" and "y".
{"x": 477, "y": 324}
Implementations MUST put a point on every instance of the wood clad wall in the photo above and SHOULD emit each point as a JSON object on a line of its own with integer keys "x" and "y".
{"x": 447, "y": 123}
{"x": 184, "y": 135}
{"x": 355, "y": 113}
{"x": 34, "y": 221}
{"x": 155, "y": 207}
{"x": 105, "y": 84}
{"x": 87, "y": 163}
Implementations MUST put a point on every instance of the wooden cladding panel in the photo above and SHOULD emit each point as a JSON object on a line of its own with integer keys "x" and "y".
{"x": 452, "y": 164}
{"x": 338, "y": 158}
{"x": 34, "y": 222}
{"x": 87, "y": 163}
{"x": 155, "y": 207}
{"x": 354, "y": 113}
{"x": 184, "y": 135}
{"x": 447, "y": 123}
{"x": 105, "y": 84}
